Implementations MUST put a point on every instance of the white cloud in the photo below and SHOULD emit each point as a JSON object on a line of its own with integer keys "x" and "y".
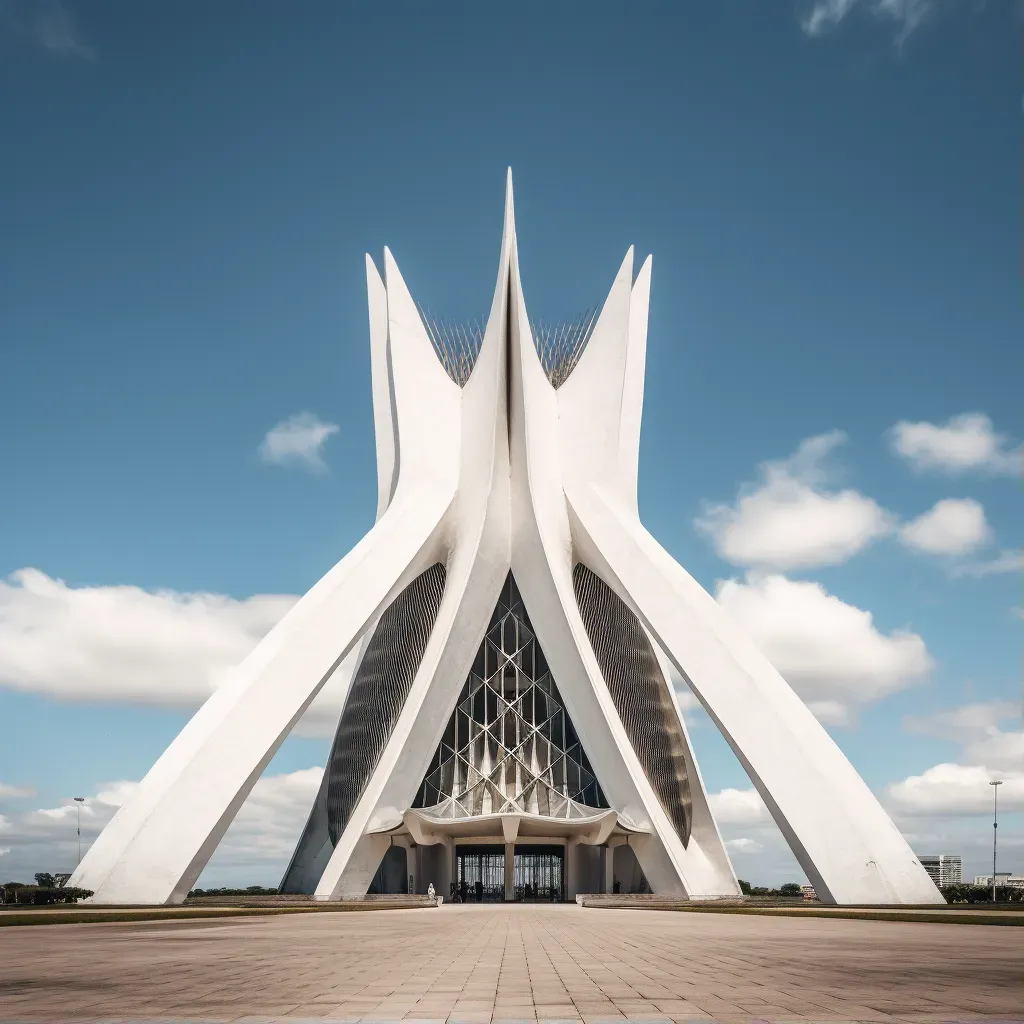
{"x": 826, "y": 15}
{"x": 45, "y": 839}
{"x": 298, "y": 441}
{"x": 830, "y": 652}
{"x": 791, "y": 521}
{"x": 988, "y": 752}
{"x": 964, "y": 443}
{"x": 955, "y": 789}
{"x": 1005, "y": 561}
{"x": 254, "y": 850}
{"x": 744, "y": 845}
{"x": 9, "y": 792}
{"x": 953, "y": 526}
{"x": 976, "y": 727}
{"x": 757, "y": 848}
{"x": 122, "y": 643}
{"x": 262, "y": 837}
{"x": 738, "y": 807}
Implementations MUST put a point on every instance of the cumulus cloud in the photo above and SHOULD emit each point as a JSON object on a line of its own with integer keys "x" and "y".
{"x": 955, "y": 789}
{"x": 830, "y": 652}
{"x": 826, "y": 15}
{"x": 254, "y": 850}
{"x": 1005, "y": 561}
{"x": 298, "y": 441}
{"x": 45, "y": 839}
{"x": 962, "y": 444}
{"x": 123, "y": 643}
{"x": 791, "y": 520}
{"x": 758, "y": 851}
{"x": 9, "y": 792}
{"x": 262, "y": 837}
{"x": 988, "y": 752}
{"x": 738, "y": 807}
{"x": 953, "y": 526}
{"x": 977, "y": 728}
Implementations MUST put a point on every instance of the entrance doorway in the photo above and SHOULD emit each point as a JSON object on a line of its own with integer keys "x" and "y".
{"x": 538, "y": 874}
{"x": 481, "y": 873}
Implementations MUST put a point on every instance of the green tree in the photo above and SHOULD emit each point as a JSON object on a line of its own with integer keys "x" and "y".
{"x": 789, "y": 889}
{"x": 964, "y": 892}
{"x": 9, "y": 891}
{"x": 744, "y": 886}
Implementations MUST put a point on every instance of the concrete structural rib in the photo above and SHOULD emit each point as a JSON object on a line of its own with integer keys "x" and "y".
{"x": 503, "y": 635}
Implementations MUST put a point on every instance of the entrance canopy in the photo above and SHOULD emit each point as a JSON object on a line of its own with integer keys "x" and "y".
{"x": 426, "y": 827}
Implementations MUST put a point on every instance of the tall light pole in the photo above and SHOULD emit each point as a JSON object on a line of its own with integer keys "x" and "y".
{"x": 79, "y": 800}
{"x": 995, "y": 829}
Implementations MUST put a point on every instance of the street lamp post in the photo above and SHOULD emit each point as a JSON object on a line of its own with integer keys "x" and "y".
{"x": 995, "y": 829}
{"x": 79, "y": 800}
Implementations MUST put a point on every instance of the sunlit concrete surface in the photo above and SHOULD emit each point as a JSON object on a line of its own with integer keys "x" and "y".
{"x": 513, "y": 963}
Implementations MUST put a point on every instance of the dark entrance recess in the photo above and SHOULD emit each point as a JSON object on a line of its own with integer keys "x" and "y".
{"x": 539, "y": 875}
{"x": 391, "y": 875}
{"x": 481, "y": 873}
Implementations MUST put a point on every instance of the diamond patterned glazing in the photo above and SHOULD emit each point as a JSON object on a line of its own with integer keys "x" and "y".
{"x": 509, "y": 745}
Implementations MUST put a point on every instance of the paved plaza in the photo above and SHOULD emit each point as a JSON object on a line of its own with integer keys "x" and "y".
{"x": 485, "y": 964}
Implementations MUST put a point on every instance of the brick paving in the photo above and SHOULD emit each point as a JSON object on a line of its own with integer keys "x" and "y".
{"x": 489, "y": 964}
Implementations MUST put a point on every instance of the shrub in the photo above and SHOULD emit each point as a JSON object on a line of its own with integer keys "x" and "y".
{"x": 41, "y": 895}
{"x": 964, "y": 892}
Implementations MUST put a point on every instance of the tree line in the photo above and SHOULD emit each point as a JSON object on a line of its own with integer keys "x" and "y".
{"x": 49, "y": 888}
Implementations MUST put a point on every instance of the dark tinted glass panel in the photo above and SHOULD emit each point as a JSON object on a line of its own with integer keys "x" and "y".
{"x": 378, "y": 693}
{"x": 639, "y": 691}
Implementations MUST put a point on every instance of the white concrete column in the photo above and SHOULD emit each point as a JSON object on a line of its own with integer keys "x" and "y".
{"x": 571, "y": 870}
{"x": 446, "y": 865}
{"x": 609, "y": 861}
{"x": 510, "y": 875}
{"x": 412, "y": 866}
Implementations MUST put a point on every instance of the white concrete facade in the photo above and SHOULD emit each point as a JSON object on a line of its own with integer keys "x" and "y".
{"x": 510, "y": 474}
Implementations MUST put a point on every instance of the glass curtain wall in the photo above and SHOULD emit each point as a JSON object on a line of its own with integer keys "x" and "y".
{"x": 481, "y": 873}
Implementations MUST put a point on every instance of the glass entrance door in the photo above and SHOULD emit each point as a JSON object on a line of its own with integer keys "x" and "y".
{"x": 539, "y": 874}
{"x": 481, "y": 871}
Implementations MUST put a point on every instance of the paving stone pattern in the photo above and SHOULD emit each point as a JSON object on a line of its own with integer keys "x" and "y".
{"x": 484, "y": 965}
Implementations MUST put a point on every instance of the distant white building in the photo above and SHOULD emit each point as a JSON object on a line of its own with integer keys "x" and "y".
{"x": 1002, "y": 878}
{"x": 942, "y": 868}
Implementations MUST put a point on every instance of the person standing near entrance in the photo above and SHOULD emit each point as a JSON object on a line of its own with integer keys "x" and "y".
{"x": 431, "y": 893}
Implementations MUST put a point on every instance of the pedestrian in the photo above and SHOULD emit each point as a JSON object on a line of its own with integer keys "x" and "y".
{"x": 431, "y": 893}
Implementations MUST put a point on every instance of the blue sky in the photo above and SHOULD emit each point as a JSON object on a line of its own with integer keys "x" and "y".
{"x": 831, "y": 192}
